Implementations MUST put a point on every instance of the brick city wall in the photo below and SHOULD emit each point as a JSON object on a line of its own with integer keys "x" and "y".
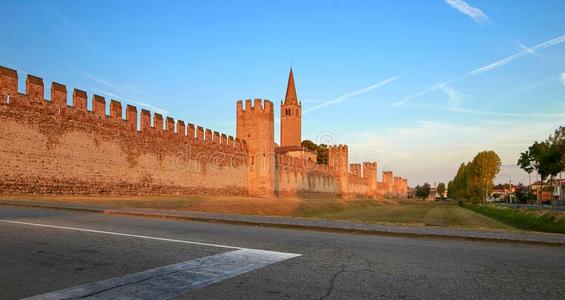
{"x": 50, "y": 147}
{"x": 299, "y": 177}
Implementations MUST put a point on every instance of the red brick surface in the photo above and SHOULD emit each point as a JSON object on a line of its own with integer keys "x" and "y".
{"x": 49, "y": 147}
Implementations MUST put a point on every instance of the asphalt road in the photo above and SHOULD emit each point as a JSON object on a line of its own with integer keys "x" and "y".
{"x": 36, "y": 260}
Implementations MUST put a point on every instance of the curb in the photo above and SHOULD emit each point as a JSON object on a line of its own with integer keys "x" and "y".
{"x": 288, "y": 225}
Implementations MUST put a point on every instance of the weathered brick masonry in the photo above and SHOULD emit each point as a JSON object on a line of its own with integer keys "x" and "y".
{"x": 49, "y": 147}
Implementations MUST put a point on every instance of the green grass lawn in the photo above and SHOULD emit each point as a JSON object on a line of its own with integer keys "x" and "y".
{"x": 412, "y": 213}
{"x": 523, "y": 218}
{"x": 370, "y": 211}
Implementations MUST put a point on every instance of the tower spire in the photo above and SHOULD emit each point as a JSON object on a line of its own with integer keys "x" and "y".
{"x": 291, "y": 116}
{"x": 291, "y": 97}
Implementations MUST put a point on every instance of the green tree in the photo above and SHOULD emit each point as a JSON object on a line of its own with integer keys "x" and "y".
{"x": 546, "y": 158}
{"x": 474, "y": 180}
{"x": 441, "y": 189}
{"x": 450, "y": 189}
{"x": 458, "y": 187}
{"x": 484, "y": 168}
{"x": 320, "y": 150}
{"x": 423, "y": 191}
{"x": 308, "y": 144}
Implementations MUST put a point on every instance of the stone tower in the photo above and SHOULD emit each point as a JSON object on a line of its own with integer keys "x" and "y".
{"x": 388, "y": 181}
{"x": 255, "y": 126}
{"x": 338, "y": 163}
{"x": 291, "y": 116}
{"x": 370, "y": 172}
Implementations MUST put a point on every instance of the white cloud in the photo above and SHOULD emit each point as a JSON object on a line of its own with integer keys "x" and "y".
{"x": 499, "y": 63}
{"x": 455, "y": 97}
{"x": 101, "y": 81}
{"x": 119, "y": 92}
{"x": 563, "y": 79}
{"x": 476, "y": 14}
{"x": 142, "y": 104}
{"x": 350, "y": 96}
{"x": 487, "y": 68}
{"x": 432, "y": 151}
{"x": 525, "y": 48}
{"x": 525, "y": 51}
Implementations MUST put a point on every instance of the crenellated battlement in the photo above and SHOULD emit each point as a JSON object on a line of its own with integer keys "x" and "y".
{"x": 388, "y": 176}
{"x": 150, "y": 123}
{"x": 255, "y": 106}
{"x": 338, "y": 148}
{"x": 355, "y": 169}
{"x": 370, "y": 169}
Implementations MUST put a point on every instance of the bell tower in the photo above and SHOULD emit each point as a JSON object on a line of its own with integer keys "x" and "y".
{"x": 291, "y": 116}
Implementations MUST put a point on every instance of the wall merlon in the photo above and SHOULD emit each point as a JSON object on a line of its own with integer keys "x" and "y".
{"x": 170, "y": 125}
{"x": 79, "y": 100}
{"x": 231, "y": 141}
{"x": 99, "y": 106}
{"x": 34, "y": 88}
{"x": 116, "y": 110}
{"x": 131, "y": 117}
{"x": 268, "y": 105}
{"x": 59, "y": 94}
{"x": 8, "y": 83}
{"x": 216, "y": 139}
{"x": 181, "y": 128}
{"x": 8, "y": 72}
{"x": 248, "y": 104}
{"x": 190, "y": 132}
{"x": 208, "y": 138}
{"x": 200, "y": 134}
{"x": 258, "y": 104}
{"x": 224, "y": 139}
{"x": 158, "y": 122}
{"x": 239, "y": 105}
{"x": 145, "y": 120}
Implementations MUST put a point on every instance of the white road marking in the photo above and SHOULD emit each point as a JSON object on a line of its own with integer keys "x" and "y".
{"x": 123, "y": 234}
{"x": 168, "y": 281}
{"x": 173, "y": 280}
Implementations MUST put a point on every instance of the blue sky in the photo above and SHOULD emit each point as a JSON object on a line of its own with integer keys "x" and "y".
{"x": 420, "y": 86}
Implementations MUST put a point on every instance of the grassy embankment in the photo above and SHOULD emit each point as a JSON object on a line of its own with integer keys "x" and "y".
{"x": 523, "y": 218}
{"x": 410, "y": 213}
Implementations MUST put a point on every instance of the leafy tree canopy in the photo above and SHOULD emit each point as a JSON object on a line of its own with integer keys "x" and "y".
{"x": 423, "y": 191}
{"x": 440, "y": 188}
{"x": 321, "y": 151}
